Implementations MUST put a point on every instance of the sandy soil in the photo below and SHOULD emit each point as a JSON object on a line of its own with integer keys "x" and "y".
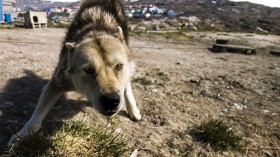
{"x": 189, "y": 84}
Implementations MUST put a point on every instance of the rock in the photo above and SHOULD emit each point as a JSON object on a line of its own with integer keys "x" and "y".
{"x": 239, "y": 106}
{"x": 176, "y": 151}
{"x": 265, "y": 111}
{"x": 155, "y": 90}
{"x": 160, "y": 73}
{"x": 191, "y": 92}
{"x": 203, "y": 93}
{"x": 164, "y": 76}
{"x": 216, "y": 83}
{"x": 226, "y": 153}
{"x": 118, "y": 130}
{"x": 261, "y": 30}
{"x": 193, "y": 28}
{"x": 267, "y": 153}
{"x": 131, "y": 27}
{"x": 194, "y": 81}
{"x": 141, "y": 28}
{"x": 8, "y": 104}
{"x": 86, "y": 109}
{"x": 228, "y": 87}
{"x": 156, "y": 27}
{"x": 225, "y": 110}
{"x": 134, "y": 153}
{"x": 220, "y": 97}
{"x": 277, "y": 134}
{"x": 274, "y": 114}
{"x": 159, "y": 121}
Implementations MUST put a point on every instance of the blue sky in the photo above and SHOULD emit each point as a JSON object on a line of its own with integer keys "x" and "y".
{"x": 271, "y": 3}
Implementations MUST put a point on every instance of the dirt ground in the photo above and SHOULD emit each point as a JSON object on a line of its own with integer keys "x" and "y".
{"x": 189, "y": 84}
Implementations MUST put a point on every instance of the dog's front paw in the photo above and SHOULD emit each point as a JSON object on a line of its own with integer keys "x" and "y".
{"x": 25, "y": 131}
{"x": 135, "y": 114}
{"x": 12, "y": 140}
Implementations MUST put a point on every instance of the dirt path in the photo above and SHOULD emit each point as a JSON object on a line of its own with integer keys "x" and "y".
{"x": 189, "y": 84}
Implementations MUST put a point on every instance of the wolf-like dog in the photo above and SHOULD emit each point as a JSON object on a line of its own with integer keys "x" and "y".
{"x": 95, "y": 60}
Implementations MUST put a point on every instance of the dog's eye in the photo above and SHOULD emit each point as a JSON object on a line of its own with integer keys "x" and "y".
{"x": 119, "y": 67}
{"x": 90, "y": 71}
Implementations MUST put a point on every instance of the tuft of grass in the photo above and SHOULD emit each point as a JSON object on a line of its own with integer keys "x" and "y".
{"x": 218, "y": 134}
{"x": 74, "y": 139}
{"x": 143, "y": 80}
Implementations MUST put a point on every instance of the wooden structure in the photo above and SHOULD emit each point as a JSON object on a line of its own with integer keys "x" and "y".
{"x": 32, "y": 19}
{"x": 222, "y": 46}
{"x": 275, "y": 52}
{"x": 222, "y": 41}
{"x": 233, "y": 49}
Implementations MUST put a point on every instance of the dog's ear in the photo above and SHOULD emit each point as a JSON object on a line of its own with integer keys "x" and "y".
{"x": 71, "y": 49}
{"x": 118, "y": 33}
{"x": 70, "y": 45}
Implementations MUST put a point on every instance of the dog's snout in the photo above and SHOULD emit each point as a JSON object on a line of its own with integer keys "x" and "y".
{"x": 111, "y": 101}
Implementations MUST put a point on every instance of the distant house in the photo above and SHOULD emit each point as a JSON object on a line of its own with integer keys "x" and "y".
{"x": 54, "y": 15}
{"x": 1, "y": 11}
{"x": 171, "y": 13}
{"x": 9, "y": 6}
{"x": 61, "y": 9}
{"x": 143, "y": 11}
{"x": 7, "y": 10}
{"x": 32, "y": 19}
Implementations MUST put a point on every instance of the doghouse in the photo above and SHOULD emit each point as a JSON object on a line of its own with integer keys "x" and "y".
{"x": 32, "y": 19}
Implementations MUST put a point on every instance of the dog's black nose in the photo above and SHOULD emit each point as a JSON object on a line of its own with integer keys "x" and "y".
{"x": 110, "y": 101}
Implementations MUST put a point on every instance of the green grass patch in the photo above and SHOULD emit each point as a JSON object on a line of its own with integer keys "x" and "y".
{"x": 167, "y": 34}
{"x": 58, "y": 25}
{"x": 74, "y": 139}
{"x": 7, "y": 26}
{"x": 178, "y": 35}
{"x": 218, "y": 134}
{"x": 143, "y": 80}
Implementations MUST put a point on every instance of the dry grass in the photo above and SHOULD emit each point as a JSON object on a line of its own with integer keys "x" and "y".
{"x": 74, "y": 139}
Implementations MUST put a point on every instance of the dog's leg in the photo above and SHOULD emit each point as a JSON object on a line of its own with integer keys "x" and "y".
{"x": 48, "y": 97}
{"x": 131, "y": 107}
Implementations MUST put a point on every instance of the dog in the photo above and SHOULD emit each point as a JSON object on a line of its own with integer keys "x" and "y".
{"x": 95, "y": 60}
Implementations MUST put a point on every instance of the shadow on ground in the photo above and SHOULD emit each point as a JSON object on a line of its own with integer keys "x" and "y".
{"x": 18, "y": 100}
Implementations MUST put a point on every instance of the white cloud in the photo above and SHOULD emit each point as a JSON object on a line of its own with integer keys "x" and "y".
{"x": 64, "y": 0}
{"x": 271, "y": 3}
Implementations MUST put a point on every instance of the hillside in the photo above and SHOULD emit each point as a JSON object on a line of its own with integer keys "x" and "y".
{"x": 233, "y": 16}
{"x": 239, "y": 16}
{"x": 38, "y": 4}
{"x": 236, "y": 16}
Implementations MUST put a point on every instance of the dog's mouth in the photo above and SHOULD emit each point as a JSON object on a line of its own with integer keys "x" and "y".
{"x": 106, "y": 112}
